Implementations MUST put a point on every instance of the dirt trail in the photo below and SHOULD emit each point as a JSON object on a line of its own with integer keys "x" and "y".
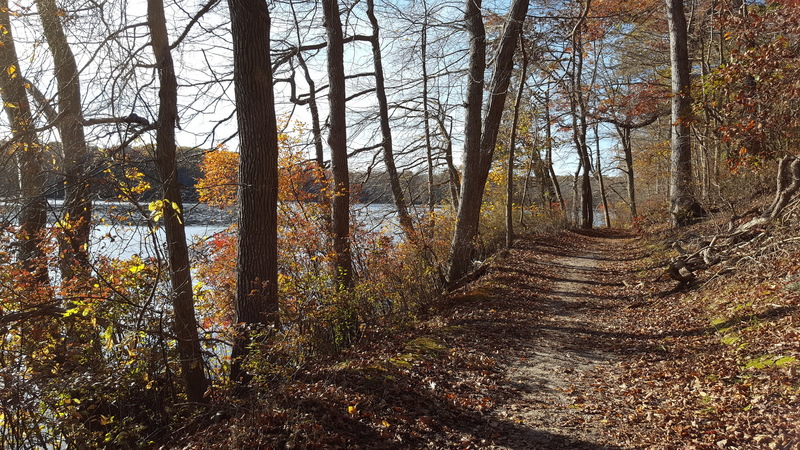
{"x": 552, "y": 370}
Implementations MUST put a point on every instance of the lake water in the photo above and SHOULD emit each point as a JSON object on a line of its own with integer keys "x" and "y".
{"x": 124, "y": 240}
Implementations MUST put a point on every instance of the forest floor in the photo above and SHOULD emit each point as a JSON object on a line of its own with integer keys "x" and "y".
{"x": 569, "y": 341}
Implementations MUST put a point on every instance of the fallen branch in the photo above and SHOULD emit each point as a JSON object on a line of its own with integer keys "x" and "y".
{"x": 732, "y": 246}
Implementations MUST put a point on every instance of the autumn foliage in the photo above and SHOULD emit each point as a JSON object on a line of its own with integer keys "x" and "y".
{"x": 753, "y": 96}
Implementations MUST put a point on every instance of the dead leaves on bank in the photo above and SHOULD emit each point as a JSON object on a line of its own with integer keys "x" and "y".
{"x": 715, "y": 367}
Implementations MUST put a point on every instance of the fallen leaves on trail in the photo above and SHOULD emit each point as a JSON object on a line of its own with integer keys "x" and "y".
{"x": 711, "y": 368}
{"x": 714, "y": 367}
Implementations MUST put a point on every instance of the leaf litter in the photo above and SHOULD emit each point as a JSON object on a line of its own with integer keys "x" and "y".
{"x": 565, "y": 342}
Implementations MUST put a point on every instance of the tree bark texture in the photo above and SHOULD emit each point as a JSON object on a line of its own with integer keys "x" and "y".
{"x": 188, "y": 342}
{"x": 337, "y": 141}
{"x": 682, "y": 202}
{"x": 257, "y": 263}
{"x": 28, "y": 155}
{"x": 479, "y": 142}
{"x": 76, "y": 166}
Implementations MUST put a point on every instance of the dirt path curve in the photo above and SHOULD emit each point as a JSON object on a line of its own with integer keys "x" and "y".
{"x": 552, "y": 369}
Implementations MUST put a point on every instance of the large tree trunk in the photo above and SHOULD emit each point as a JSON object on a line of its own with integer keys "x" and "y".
{"x": 257, "y": 264}
{"x": 471, "y": 189}
{"x": 186, "y": 335}
{"x": 683, "y": 206}
{"x": 406, "y": 224}
{"x": 479, "y": 147}
{"x": 76, "y": 166}
{"x": 337, "y": 141}
{"x": 28, "y": 154}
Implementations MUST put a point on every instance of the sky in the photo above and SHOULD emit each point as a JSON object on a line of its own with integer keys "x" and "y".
{"x": 118, "y": 78}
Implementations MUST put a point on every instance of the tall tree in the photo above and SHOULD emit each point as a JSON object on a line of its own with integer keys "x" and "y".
{"x": 337, "y": 141}
{"x": 681, "y": 197}
{"x": 579, "y": 124}
{"x": 480, "y": 137}
{"x": 426, "y": 115}
{"x": 28, "y": 154}
{"x": 257, "y": 264}
{"x": 511, "y": 150}
{"x": 76, "y": 166}
{"x": 386, "y": 132}
{"x": 186, "y": 335}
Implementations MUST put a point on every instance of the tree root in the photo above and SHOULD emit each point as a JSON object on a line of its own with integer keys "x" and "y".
{"x": 739, "y": 241}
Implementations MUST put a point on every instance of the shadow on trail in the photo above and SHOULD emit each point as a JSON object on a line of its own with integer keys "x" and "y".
{"x": 407, "y": 404}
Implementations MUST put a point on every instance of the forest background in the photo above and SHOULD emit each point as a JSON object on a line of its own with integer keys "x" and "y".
{"x": 283, "y": 113}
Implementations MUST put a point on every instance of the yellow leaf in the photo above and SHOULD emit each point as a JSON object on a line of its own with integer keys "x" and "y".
{"x": 385, "y": 423}
{"x": 10, "y": 70}
{"x": 352, "y": 409}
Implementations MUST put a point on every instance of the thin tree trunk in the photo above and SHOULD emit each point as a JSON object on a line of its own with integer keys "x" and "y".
{"x": 454, "y": 179}
{"x": 524, "y": 197}
{"x": 426, "y": 111}
{"x": 576, "y": 203}
{"x": 549, "y": 151}
{"x": 316, "y": 128}
{"x": 580, "y": 127}
{"x": 186, "y": 335}
{"x": 28, "y": 154}
{"x": 406, "y": 224}
{"x": 337, "y": 141}
{"x": 77, "y": 212}
{"x": 534, "y": 158}
{"x": 511, "y": 148}
{"x": 625, "y": 140}
{"x": 601, "y": 182}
